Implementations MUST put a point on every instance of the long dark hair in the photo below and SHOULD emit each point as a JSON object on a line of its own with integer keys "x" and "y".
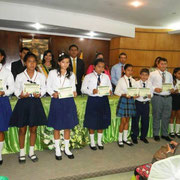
{"x": 52, "y": 61}
{"x": 156, "y": 61}
{"x": 2, "y": 52}
{"x": 63, "y": 56}
{"x": 174, "y": 77}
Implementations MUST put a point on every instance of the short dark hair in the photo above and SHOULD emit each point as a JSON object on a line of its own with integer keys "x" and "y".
{"x": 144, "y": 70}
{"x": 122, "y": 54}
{"x": 127, "y": 65}
{"x": 73, "y": 45}
{"x": 162, "y": 59}
{"x": 2, "y": 52}
{"x": 24, "y": 48}
{"x": 99, "y": 53}
{"x": 98, "y": 61}
{"x": 28, "y": 55}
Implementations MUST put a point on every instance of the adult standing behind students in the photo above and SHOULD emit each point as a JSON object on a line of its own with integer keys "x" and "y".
{"x": 118, "y": 69}
{"x": 18, "y": 67}
{"x": 162, "y": 100}
{"x": 77, "y": 66}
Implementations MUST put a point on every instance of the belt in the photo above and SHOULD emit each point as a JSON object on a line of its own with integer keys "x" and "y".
{"x": 143, "y": 102}
{"x": 165, "y": 96}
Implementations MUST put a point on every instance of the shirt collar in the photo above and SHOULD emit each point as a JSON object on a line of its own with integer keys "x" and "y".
{"x": 143, "y": 82}
{"x": 127, "y": 77}
{"x": 73, "y": 58}
{"x": 34, "y": 75}
{"x": 1, "y": 65}
{"x": 96, "y": 73}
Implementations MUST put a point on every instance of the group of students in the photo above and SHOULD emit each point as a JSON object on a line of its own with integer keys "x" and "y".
{"x": 63, "y": 114}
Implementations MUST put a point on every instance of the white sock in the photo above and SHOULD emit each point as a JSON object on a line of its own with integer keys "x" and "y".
{"x": 177, "y": 128}
{"x": 92, "y": 140}
{"x": 22, "y": 152}
{"x": 171, "y": 127}
{"x": 125, "y": 135}
{"x": 120, "y": 136}
{"x": 67, "y": 151}
{"x": 31, "y": 151}
{"x": 1, "y": 147}
{"x": 100, "y": 139}
{"x": 57, "y": 147}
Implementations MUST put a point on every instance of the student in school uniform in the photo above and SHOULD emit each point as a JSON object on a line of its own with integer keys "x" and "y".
{"x": 28, "y": 110}
{"x": 142, "y": 109}
{"x": 175, "y": 114}
{"x": 126, "y": 106}
{"x": 63, "y": 113}
{"x": 6, "y": 89}
{"x": 98, "y": 113}
{"x": 162, "y": 100}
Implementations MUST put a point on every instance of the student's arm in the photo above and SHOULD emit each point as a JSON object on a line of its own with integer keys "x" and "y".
{"x": 84, "y": 88}
{"x": 17, "y": 87}
{"x": 50, "y": 80}
{"x": 73, "y": 82}
{"x": 113, "y": 76}
{"x": 109, "y": 83}
{"x": 118, "y": 91}
{"x": 43, "y": 85}
{"x": 10, "y": 84}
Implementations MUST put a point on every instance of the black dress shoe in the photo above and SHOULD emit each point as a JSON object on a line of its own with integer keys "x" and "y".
{"x": 178, "y": 135}
{"x": 120, "y": 144}
{"x": 94, "y": 148}
{"x": 135, "y": 141}
{"x": 58, "y": 158}
{"x": 100, "y": 147}
{"x": 172, "y": 135}
{"x": 69, "y": 156}
{"x": 129, "y": 143}
{"x": 1, "y": 162}
{"x": 22, "y": 159}
{"x": 144, "y": 140}
{"x": 167, "y": 138}
{"x": 156, "y": 138}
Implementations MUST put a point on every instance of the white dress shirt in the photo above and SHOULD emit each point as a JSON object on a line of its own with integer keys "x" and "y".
{"x": 7, "y": 80}
{"x": 90, "y": 83}
{"x": 23, "y": 78}
{"x": 55, "y": 81}
{"x": 123, "y": 84}
{"x": 148, "y": 84}
{"x": 156, "y": 80}
{"x": 75, "y": 61}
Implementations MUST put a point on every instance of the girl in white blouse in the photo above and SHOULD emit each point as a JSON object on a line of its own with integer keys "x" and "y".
{"x": 98, "y": 113}
{"x": 126, "y": 106}
{"x": 6, "y": 89}
{"x": 28, "y": 110}
{"x": 62, "y": 114}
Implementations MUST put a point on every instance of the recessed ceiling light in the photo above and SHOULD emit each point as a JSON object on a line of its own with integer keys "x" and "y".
{"x": 136, "y": 3}
{"x": 37, "y": 26}
{"x": 92, "y": 34}
{"x": 81, "y": 39}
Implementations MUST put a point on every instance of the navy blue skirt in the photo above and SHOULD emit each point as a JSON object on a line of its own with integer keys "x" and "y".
{"x": 5, "y": 113}
{"x": 28, "y": 112}
{"x": 175, "y": 102}
{"x": 62, "y": 114}
{"x": 126, "y": 107}
{"x": 98, "y": 113}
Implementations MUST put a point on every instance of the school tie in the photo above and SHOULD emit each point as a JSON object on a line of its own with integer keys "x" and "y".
{"x": 130, "y": 85}
{"x": 74, "y": 66}
{"x": 122, "y": 71}
{"x": 144, "y": 85}
{"x": 163, "y": 77}
{"x": 98, "y": 80}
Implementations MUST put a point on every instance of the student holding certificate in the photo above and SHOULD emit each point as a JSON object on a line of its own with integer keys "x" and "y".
{"x": 29, "y": 88}
{"x": 62, "y": 115}
{"x": 97, "y": 86}
{"x": 126, "y": 106}
{"x": 142, "y": 107}
{"x": 175, "y": 114}
{"x": 162, "y": 83}
{"x": 6, "y": 89}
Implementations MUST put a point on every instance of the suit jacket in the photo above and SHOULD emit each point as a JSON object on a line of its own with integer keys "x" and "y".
{"x": 17, "y": 68}
{"x": 79, "y": 74}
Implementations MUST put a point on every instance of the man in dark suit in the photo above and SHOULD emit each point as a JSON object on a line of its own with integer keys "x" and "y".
{"x": 77, "y": 65}
{"x": 18, "y": 67}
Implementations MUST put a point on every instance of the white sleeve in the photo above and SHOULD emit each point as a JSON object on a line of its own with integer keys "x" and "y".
{"x": 43, "y": 85}
{"x": 84, "y": 88}
{"x": 17, "y": 86}
{"x": 10, "y": 84}
{"x": 73, "y": 78}
{"x": 151, "y": 80}
{"x": 118, "y": 90}
{"x": 109, "y": 83}
{"x": 49, "y": 83}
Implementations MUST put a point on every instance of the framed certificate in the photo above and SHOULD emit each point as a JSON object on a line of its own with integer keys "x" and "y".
{"x": 166, "y": 87}
{"x": 132, "y": 91}
{"x": 31, "y": 88}
{"x": 144, "y": 92}
{"x": 65, "y": 92}
{"x": 1, "y": 85}
{"x": 103, "y": 90}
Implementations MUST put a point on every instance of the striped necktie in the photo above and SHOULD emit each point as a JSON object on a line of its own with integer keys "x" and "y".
{"x": 163, "y": 77}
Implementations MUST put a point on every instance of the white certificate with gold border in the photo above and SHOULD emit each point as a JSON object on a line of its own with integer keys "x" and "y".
{"x": 144, "y": 92}
{"x": 132, "y": 91}
{"x": 103, "y": 90}
{"x": 1, "y": 85}
{"x": 31, "y": 88}
{"x": 65, "y": 92}
{"x": 166, "y": 87}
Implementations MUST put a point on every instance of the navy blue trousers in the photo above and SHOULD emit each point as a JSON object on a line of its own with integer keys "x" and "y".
{"x": 142, "y": 111}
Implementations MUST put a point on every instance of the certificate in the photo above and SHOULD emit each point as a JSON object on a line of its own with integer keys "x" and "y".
{"x": 103, "y": 90}
{"x": 132, "y": 91}
{"x": 178, "y": 86}
{"x": 65, "y": 92}
{"x": 166, "y": 87}
{"x": 1, "y": 85}
{"x": 144, "y": 92}
{"x": 31, "y": 88}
